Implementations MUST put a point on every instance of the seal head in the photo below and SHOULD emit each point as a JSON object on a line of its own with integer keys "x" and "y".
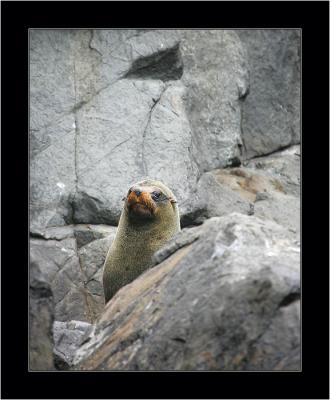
{"x": 149, "y": 218}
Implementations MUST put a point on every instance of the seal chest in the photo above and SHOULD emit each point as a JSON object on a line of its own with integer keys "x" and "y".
{"x": 149, "y": 218}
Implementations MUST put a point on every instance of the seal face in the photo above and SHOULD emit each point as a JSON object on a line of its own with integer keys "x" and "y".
{"x": 149, "y": 218}
{"x": 143, "y": 201}
{"x": 140, "y": 205}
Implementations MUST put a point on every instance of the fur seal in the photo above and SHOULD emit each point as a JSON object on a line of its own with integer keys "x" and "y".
{"x": 149, "y": 218}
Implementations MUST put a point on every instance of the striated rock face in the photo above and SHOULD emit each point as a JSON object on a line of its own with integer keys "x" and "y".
{"x": 41, "y": 320}
{"x": 71, "y": 260}
{"x": 225, "y": 296}
{"x": 109, "y": 107}
{"x": 60, "y": 265}
{"x": 68, "y": 336}
{"x": 216, "y": 76}
{"x": 123, "y": 96}
{"x": 271, "y": 111}
{"x": 268, "y": 187}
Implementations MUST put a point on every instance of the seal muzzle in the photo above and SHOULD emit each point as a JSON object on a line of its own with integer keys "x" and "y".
{"x": 140, "y": 204}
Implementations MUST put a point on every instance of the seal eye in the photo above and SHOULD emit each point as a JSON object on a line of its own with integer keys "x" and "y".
{"x": 155, "y": 195}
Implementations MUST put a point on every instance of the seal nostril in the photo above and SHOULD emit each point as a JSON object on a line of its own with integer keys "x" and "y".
{"x": 137, "y": 192}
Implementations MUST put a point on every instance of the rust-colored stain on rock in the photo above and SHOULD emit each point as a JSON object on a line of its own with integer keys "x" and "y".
{"x": 146, "y": 288}
{"x": 247, "y": 184}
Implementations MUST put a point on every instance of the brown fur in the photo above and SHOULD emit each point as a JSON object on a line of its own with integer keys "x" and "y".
{"x": 144, "y": 227}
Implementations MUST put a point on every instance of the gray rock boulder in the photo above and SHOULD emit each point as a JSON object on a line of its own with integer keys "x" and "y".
{"x": 110, "y": 107}
{"x": 284, "y": 165}
{"x": 92, "y": 120}
{"x": 68, "y": 336}
{"x": 52, "y": 174}
{"x": 52, "y": 127}
{"x": 41, "y": 320}
{"x": 225, "y": 296}
{"x": 59, "y": 263}
{"x": 92, "y": 257}
{"x": 52, "y": 87}
{"x": 74, "y": 272}
{"x": 268, "y": 187}
{"x": 216, "y": 75}
{"x": 271, "y": 111}
{"x": 53, "y": 233}
{"x": 85, "y": 234}
{"x": 117, "y": 147}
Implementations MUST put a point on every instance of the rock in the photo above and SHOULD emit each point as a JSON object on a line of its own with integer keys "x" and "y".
{"x": 167, "y": 142}
{"x": 85, "y": 234}
{"x": 53, "y": 233}
{"x": 270, "y": 184}
{"x": 216, "y": 76}
{"x": 225, "y": 297}
{"x": 59, "y": 83}
{"x": 104, "y": 81}
{"x": 110, "y": 107}
{"x": 217, "y": 198}
{"x": 75, "y": 274}
{"x": 186, "y": 237}
{"x": 59, "y": 262}
{"x": 271, "y": 110}
{"x": 52, "y": 174}
{"x": 282, "y": 165}
{"x": 283, "y": 209}
{"x": 52, "y": 86}
{"x": 279, "y": 346}
{"x": 108, "y": 129}
{"x": 68, "y": 336}
{"x": 139, "y": 54}
{"x": 52, "y": 127}
{"x": 261, "y": 196}
{"x": 41, "y": 320}
{"x": 92, "y": 257}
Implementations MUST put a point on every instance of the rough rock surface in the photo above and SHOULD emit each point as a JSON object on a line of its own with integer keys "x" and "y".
{"x": 187, "y": 107}
{"x": 85, "y": 234}
{"x": 121, "y": 97}
{"x": 92, "y": 257}
{"x": 52, "y": 127}
{"x": 216, "y": 81}
{"x": 60, "y": 264}
{"x": 41, "y": 320}
{"x": 109, "y": 107}
{"x": 225, "y": 297}
{"x": 68, "y": 336}
{"x": 271, "y": 111}
{"x": 268, "y": 187}
{"x": 123, "y": 133}
{"x": 75, "y": 274}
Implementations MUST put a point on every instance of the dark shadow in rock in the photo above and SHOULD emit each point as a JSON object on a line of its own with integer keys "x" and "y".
{"x": 91, "y": 210}
{"x": 166, "y": 65}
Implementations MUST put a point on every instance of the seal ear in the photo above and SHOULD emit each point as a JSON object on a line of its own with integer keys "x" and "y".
{"x": 124, "y": 198}
{"x": 172, "y": 200}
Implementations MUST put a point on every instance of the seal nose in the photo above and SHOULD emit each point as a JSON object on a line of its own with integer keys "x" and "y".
{"x": 137, "y": 192}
